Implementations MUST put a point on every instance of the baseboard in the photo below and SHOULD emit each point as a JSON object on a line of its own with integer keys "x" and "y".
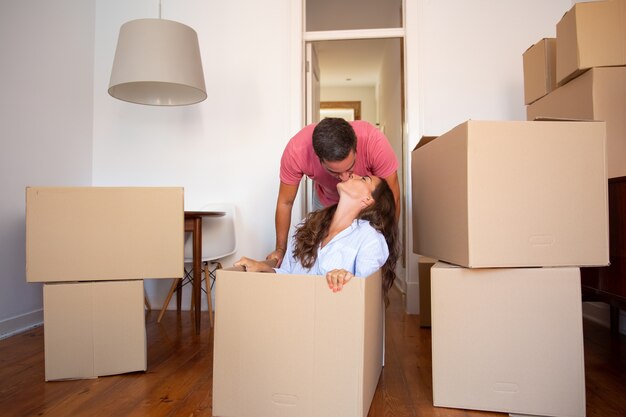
{"x": 600, "y": 313}
{"x": 400, "y": 285}
{"x": 412, "y": 298}
{"x": 19, "y": 324}
{"x": 597, "y": 312}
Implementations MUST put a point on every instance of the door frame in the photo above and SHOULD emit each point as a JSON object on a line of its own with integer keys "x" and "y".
{"x": 412, "y": 13}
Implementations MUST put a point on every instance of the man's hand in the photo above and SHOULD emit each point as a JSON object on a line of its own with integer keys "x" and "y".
{"x": 276, "y": 256}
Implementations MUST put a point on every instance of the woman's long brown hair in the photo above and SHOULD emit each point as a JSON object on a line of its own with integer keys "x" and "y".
{"x": 382, "y": 217}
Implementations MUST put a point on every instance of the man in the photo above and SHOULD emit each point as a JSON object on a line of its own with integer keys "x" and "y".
{"x": 328, "y": 153}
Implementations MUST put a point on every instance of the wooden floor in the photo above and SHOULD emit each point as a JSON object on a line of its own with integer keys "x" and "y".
{"x": 178, "y": 382}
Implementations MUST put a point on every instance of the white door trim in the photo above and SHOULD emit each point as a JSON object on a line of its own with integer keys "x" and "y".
{"x": 335, "y": 35}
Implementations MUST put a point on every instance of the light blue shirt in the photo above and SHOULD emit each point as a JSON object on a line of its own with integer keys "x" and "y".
{"x": 360, "y": 249}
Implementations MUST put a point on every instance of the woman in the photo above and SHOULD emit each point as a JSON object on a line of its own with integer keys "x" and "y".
{"x": 357, "y": 236}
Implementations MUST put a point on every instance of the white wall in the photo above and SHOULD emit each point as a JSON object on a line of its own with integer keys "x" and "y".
{"x": 225, "y": 149}
{"x": 471, "y": 57}
{"x": 464, "y": 61}
{"x": 45, "y": 127}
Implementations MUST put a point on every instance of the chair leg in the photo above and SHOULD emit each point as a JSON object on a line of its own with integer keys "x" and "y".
{"x": 218, "y": 265}
{"x": 207, "y": 284}
{"x": 179, "y": 294}
{"x": 192, "y": 303}
{"x": 146, "y": 301}
{"x": 175, "y": 284}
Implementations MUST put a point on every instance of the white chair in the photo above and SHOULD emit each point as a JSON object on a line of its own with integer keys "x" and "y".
{"x": 219, "y": 240}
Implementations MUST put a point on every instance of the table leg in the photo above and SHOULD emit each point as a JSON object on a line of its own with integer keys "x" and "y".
{"x": 197, "y": 271}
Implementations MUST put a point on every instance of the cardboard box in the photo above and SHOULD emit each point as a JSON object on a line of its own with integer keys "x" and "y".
{"x": 598, "y": 94}
{"x": 103, "y": 233}
{"x": 508, "y": 340}
{"x": 513, "y": 194}
{"x": 93, "y": 329}
{"x": 539, "y": 69}
{"x": 590, "y": 34}
{"x": 423, "y": 267}
{"x": 287, "y": 345}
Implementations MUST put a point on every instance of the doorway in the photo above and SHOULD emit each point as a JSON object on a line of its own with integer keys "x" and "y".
{"x": 363, "y": 64}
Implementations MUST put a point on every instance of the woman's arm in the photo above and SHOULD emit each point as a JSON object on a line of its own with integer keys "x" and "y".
{"x": 250, "y": 265}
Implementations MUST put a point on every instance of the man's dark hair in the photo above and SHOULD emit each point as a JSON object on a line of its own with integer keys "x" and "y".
{"x": 333, "y": 139}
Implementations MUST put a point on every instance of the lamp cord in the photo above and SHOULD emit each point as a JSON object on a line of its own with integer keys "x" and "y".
{"x": 159, "y": 9}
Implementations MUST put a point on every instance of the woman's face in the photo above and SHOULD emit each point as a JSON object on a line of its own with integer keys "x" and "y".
{"x": 359, "y": 187}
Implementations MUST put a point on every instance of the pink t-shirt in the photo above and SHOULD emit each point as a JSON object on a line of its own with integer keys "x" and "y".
{"x": 374, "y": 156}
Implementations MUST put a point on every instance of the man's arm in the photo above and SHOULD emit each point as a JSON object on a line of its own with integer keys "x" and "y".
{"x": 286, "y": 196}
{"x": 392, "y": 180}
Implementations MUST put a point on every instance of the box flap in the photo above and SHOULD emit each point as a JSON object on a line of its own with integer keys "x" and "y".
{"x": 424, "y": 140}
{"x": 539, "y": 42}
{"x": 561, "y": 119}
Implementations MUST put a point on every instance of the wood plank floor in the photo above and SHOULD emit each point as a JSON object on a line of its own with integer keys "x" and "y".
{"x": 178, "y": 382}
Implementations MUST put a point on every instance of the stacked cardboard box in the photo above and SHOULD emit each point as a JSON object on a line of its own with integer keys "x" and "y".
{"x": 590, "y": 60}
{"x": 424, "y": 265}
{"x": 591, "y": 34}
{"x": 512, "y": 194}
{"x": 598, "y": 94}
{"x": 589, "y": 63}
{"x": 92, "y": 247}
{"x": 508, "y": 340}
{"x": 513, "y": 208}
{"x": 93, "y": 329}
{"x": 539, "y": 69}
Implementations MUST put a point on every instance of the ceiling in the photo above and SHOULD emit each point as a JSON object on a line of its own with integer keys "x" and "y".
{"x": 352, "y": 63}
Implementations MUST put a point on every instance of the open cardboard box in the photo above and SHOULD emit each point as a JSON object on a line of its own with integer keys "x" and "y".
{"x": 287, "y": 345}
{"x": 513, "y": 194}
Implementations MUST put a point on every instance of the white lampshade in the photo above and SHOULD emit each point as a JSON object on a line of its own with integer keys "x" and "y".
{"x": 157, "y": 62}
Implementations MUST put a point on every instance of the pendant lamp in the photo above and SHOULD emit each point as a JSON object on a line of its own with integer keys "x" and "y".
{"x": 157, "y": 62}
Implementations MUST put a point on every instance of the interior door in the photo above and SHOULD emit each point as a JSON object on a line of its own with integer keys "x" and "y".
{"x": 312, "y": 112}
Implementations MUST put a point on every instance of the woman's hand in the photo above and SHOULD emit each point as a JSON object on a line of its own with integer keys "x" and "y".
{"x": 250, "y": 265}
{"x": 337, "y": 278}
